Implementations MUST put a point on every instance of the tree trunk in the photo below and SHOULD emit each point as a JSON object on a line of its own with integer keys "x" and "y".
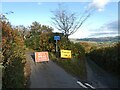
{"x": 66, "y": 36}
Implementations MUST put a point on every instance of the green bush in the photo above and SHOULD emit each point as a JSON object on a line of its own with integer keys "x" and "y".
{"x": 14, "y": 69}
{"x": 77, "y": 51}
{"x": 13, "y": 58}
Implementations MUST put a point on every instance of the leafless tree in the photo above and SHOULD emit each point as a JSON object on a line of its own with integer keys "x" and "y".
{"x": 69, "y": 22}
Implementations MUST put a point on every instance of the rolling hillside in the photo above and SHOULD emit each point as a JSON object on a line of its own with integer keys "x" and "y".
{"x": 101, "y": 39}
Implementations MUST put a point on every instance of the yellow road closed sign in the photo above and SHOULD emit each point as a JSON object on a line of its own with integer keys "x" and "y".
{"x": 65, "y": 53}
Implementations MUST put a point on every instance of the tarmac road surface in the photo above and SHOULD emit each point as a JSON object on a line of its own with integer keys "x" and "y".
{"x": 50, "y": 75}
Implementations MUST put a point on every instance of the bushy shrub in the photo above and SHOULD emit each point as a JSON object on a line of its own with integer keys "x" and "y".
{"x": 77, "y": 51}
{"x": 40, "y": 38}
{"x": 13, "y": 58}
{"x": 14, "y": 69}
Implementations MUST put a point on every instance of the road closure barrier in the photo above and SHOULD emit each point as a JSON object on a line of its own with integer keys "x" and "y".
{"x": 41, "y": 56}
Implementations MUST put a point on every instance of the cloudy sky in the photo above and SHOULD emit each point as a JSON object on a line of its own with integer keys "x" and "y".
{"x": 103, "y": 22}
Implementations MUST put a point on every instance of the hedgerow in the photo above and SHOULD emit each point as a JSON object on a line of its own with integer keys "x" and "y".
{"x": 13, "y": 60}
{"x": 108, "y": 58}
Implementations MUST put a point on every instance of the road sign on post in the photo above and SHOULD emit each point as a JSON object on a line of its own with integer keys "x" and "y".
{"x": 56, "y": 38}
{"x": 41, "y": 56}
{"x": 65, "y": 53}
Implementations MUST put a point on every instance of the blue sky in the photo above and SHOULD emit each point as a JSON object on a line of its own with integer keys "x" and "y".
{"x": 103, "y": 22}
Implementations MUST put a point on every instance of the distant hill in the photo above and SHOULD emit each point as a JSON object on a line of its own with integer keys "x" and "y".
{"x": 101, "y": 39}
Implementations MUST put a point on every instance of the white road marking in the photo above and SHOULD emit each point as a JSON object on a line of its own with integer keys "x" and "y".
{"x": 81, "y": 84}
{"x": 90, "y": 85}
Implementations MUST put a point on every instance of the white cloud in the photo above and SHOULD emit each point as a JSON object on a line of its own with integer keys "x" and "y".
{"x": 98, "y": 4}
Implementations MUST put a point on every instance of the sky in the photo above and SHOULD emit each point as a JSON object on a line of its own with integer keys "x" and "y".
{"x": 102, "y": 23}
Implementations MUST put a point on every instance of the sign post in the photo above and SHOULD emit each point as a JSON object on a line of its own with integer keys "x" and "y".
{"x": 56, "y": 38}
{"x": 56, "y": 46}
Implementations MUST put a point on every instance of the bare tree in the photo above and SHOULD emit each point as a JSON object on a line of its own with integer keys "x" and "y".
{"x": 69, "y": 22}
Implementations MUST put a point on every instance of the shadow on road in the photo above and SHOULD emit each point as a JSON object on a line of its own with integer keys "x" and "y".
{"x": 33, "y": 56}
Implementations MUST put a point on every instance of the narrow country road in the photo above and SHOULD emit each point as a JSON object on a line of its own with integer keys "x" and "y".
{"x": 50, "y": 75}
